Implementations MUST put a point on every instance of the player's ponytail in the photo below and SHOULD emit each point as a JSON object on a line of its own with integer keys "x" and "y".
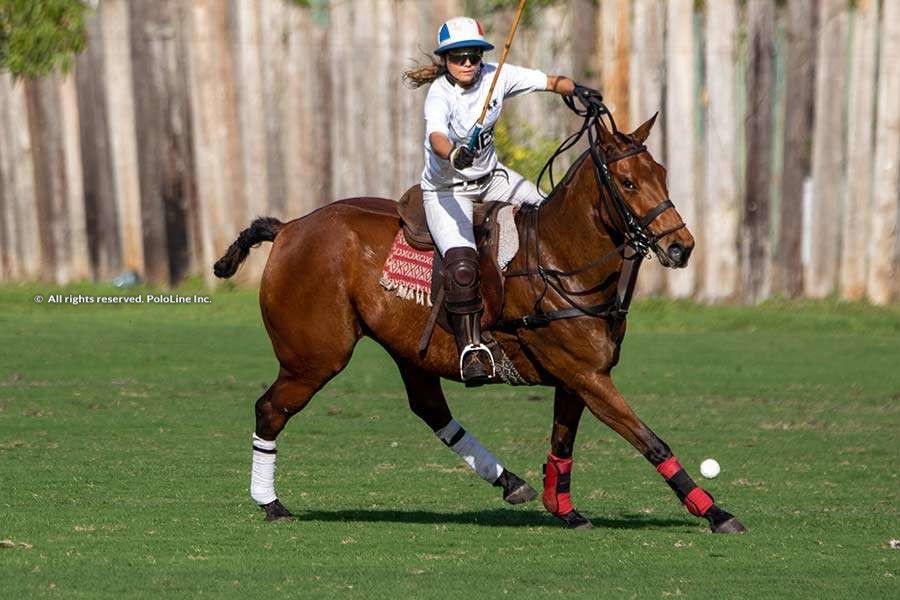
{"x": 421, "y": 75}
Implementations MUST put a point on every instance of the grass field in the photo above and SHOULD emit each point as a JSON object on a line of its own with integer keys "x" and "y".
{"x": 125, "y": 449}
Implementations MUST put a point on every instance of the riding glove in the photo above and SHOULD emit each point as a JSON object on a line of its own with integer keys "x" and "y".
{"x": 462, "y": 157}
{"x": 586, "y": 94}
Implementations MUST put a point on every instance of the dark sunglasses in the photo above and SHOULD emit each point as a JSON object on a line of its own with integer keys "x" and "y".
{"x": 460, "y": 58}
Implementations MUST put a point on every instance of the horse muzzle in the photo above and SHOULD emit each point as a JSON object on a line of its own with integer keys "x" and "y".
{"x": 675, "y": 256}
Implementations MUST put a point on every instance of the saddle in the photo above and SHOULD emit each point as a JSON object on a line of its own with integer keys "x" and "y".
{"x": 487, "y": 239}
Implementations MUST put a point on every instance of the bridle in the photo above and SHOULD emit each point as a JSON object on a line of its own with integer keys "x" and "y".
{"x": 633, "y": 227}
{"x": 633, "y": 230}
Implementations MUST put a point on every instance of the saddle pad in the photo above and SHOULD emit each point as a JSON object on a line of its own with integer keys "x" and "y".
{"x": 509, "y": 237}
{"x": 408, "y": 271}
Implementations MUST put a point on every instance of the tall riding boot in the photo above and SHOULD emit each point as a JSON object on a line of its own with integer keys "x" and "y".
{"x": 462, "y": 299}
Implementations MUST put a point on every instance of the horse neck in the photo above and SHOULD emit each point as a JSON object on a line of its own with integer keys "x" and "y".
{"x": 570, "y": 232}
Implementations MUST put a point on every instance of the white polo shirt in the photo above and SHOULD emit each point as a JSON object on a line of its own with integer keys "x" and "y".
{"x": 453, "y": 110}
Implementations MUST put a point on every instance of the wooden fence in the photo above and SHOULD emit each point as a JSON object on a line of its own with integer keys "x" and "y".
{"x": 184, "y": 119}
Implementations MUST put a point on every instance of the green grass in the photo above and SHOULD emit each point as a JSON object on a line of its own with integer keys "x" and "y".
{"x": 124, "y": 461}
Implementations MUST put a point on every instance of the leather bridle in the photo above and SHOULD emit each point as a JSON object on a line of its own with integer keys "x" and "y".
{"x": 632, "y": 229}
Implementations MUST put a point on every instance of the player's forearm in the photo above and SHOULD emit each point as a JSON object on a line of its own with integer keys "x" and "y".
{"x": 560, "y": 84}
{"x": 441, "y": 144}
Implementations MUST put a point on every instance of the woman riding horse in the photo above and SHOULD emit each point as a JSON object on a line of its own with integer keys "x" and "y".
{"x": 458, "y": 173}
{"x": 566, "y": 297}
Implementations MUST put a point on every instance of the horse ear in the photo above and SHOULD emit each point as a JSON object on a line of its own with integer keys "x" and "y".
{"x": 606, "y": 136}
{"x": 641, "y": 134}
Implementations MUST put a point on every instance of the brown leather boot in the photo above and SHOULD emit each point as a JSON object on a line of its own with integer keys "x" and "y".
{"x": 462, "y": 299}
{"x": 476, "y": 364}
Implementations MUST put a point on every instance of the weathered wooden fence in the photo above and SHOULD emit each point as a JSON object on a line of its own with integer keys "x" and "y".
{"x": 780, "y": 128}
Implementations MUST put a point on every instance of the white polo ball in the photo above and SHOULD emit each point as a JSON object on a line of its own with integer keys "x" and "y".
{"x": 709, "y": 468}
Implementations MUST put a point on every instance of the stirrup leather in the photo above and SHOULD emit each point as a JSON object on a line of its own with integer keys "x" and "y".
{"x": 476, "y": 348}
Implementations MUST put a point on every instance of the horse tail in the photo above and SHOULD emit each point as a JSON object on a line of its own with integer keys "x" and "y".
{"x": 263, "y": 229}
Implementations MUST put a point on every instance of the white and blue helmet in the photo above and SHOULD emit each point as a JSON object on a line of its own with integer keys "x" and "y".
{"x": 461, "y": 32}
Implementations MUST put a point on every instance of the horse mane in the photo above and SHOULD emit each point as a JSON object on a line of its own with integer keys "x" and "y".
{"x": 570, "y": 174}
{"x": 621, "y": 138}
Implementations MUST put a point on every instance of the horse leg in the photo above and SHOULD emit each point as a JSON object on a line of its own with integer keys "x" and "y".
{"x": 608, "y": 405}
{"x": 286, "y": 397}
{"x": 567, "y": 410}
{"x": 426, "y": 400}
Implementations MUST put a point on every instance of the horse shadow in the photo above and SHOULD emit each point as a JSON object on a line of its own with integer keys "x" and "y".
{"x": 495, "y": 517}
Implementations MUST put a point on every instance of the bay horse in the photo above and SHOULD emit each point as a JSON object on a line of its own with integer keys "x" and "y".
{"x": 562, "y": 327}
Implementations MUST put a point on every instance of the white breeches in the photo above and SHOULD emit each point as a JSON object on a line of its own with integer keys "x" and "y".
{"x": 449, "y": 212}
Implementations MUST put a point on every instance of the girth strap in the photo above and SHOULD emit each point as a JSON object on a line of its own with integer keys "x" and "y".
{"x": 615, "y": 309}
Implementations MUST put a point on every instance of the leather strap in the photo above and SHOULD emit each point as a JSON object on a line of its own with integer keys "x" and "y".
{"x": 615, "y": 309}
{"x": 657, "y": 210}
{"x": 425, "y": 339}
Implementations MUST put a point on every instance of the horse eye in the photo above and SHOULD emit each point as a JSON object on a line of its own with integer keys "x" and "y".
{"x": 629, "y": 185}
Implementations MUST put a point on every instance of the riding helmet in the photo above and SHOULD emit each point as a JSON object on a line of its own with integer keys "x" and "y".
{"x": 461, "y": 32}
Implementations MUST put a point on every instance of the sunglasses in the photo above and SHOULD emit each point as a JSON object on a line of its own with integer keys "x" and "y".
{"x": 460, "y": 58}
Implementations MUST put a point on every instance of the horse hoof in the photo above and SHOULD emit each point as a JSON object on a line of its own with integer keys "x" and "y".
{"x": 522, "y": 494}
{"x": 515, "y": 489}
{"x": 732, "y": 525}
{"x": 275, "y": 511}
{"x": 575, "y": 520}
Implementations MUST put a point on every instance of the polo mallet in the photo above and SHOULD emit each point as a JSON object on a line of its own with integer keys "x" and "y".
{"x": 479, "y": 125}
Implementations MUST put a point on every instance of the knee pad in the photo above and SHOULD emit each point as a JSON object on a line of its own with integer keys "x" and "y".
{"x": 461, "y": 279}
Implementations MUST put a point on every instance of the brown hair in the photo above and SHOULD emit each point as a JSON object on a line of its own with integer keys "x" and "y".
{"x": 421, "y": 74}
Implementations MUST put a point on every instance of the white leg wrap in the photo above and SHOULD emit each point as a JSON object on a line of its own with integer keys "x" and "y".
{"x": 471, "y": 451}
{"x": 262, "y": 475}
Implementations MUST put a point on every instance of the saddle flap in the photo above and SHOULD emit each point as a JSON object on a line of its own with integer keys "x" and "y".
{"x": 487, "y": 239}
{"x": 415, "y": 224}
{"x": 412, "y": 216}
{"x": 492, "y": 291}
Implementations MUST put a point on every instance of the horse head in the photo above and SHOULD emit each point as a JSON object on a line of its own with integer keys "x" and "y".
{"x": 637, "y": 203}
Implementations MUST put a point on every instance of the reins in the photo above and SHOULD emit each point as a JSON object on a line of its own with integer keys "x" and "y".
{"x": 636, "y": 245}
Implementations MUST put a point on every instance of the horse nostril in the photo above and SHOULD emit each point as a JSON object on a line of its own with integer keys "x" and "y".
{"x": 676, "y": 253}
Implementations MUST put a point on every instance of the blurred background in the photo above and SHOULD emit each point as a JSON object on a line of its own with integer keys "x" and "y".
{"x": 143, "y": 135}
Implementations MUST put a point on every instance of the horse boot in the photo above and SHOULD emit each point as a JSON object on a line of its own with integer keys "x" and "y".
{"x": 462, "y": 300}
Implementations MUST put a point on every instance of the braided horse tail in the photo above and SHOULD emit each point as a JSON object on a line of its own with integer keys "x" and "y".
{"x": 263, "y": 229}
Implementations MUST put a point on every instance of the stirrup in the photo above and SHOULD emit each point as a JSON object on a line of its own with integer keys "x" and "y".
{"x": 476, "y": 348}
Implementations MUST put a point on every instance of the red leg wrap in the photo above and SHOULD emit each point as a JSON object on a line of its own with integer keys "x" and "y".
{"x": 698, "y": 502}
{"x": 668, "y": 468}
{"x": 557, "y": 481}
{"x": 695, "y": 499}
